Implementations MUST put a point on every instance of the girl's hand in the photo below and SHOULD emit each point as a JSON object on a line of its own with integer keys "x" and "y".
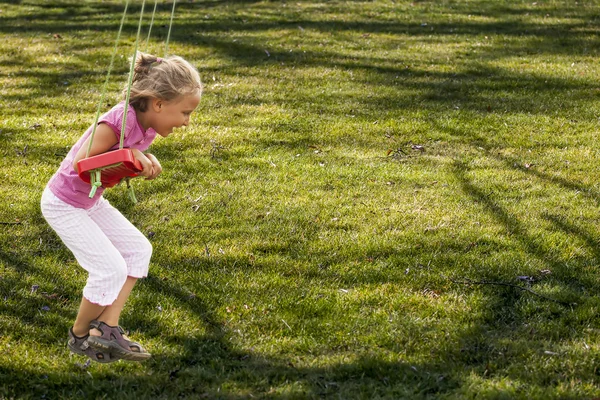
{"x": 156, "y": 167}
{"x": 147, "y": 166}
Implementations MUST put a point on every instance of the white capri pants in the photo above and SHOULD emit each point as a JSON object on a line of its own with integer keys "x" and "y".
{"x": 104, "y": 243}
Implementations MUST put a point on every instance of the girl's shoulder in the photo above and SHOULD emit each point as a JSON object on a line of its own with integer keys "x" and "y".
{"x": 114, "y": 118}
{"x": 115, "y": 113}
{"x": 112, "y": 115}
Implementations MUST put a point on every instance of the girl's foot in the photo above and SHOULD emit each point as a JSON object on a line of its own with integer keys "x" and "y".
{"x": 111, "y": 340}
{"x": 80, "y": 345}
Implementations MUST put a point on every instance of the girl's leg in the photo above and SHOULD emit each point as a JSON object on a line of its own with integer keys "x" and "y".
{"x": 107, "y": 336}
{"x": 94, "y": 251}
{"x": 110, "y": 248}
{"x": 110, "y": 315}
{"x": 133, "y": 246}
{"x": 88, "y": 312}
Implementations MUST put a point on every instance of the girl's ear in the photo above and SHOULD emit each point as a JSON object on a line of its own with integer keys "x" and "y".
{"x": 156, "y": 104}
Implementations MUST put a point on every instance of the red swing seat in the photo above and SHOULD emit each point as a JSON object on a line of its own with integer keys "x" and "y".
{"x": 112, "y": 166}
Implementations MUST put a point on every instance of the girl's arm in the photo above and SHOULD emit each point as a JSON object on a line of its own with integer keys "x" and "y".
{"x": 104, "y": 139}
{"x": 150, "y": 165}
{"x": 156, "y": 167}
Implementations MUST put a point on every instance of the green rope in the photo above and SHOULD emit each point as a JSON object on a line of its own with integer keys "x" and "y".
{"x": 131, "y": 71}
{"x": 96, "y": 175}
{"x": 130, "y": 191}
{"x": 112, "y": 61}
{"x": 95, "y": 181}
{"x": 126, "y": 107}
{"x": 150, "y": 27}
{"x": 132, "y": 68}
{"x": 170, "y": 25}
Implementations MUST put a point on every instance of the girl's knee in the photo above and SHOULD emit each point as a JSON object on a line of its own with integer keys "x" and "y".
{"x": 105, "y": 283}
{"x": 138, "y": 260}
{"x": 117, "y": 275}
{"x": 138, "y": 257}
{"x": 145, "y": 249}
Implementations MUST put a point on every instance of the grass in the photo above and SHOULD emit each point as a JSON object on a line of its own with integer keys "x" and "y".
{"x": 352, "y": 164}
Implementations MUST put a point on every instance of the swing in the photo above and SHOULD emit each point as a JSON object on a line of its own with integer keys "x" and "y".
{"x": 110, "y": 168}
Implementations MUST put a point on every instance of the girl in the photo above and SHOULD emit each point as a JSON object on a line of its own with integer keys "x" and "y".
{"x": 164, "y": 93}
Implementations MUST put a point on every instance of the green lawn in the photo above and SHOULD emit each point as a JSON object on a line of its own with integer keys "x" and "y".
{"x": 375, "y": 200}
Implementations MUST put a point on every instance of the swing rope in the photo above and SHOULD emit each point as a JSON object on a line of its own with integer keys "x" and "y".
{"x": 150, "y": 27}
{"x": 96, "y": 175}
{"x": 110, "y": 67}
{"x": 125, "y": 108}
{"x": 130, "y": 80}
{"x": 170, "y": 25}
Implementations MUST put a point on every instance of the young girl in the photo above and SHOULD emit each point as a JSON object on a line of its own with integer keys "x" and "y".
{"x": 164, "y": 93}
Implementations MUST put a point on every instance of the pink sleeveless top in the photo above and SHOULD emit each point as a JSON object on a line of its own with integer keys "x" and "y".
{"x": 66, "y": 184}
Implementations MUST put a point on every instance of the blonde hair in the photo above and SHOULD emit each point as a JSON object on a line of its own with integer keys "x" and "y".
{"x": 165, "y": 79}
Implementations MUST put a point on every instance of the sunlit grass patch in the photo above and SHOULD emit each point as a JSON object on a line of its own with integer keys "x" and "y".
{"x": 375, "y": 199}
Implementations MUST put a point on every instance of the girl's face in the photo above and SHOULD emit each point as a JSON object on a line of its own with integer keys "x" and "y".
{"x": 173, "y": 114}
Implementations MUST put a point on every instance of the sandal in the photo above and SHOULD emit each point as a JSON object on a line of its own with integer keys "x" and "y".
{"x": 80, "y": 345}
{"x": 111, "y": 340}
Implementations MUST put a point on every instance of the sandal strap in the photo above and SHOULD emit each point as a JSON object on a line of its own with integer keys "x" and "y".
{"x": 98, "y": 325}
{"x": 78, "y": 341}
{"x": 81, "y": 345}
{"x": 140, "y": 348}
{"x": 113, "y": 333}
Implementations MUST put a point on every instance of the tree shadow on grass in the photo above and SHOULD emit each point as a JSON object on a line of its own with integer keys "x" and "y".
{"x": 507, "y": 327}
{"x": 570, "y": 228}
{"x": 210, "y": 366}
{"x": 485, "y": 143}
{"x": 33, "y": 301}
{"x": 247, "y": 52}
{"x": 238, "y": 376}
{"x": 520, "y": 233}
{"x": 501, "y": 23}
